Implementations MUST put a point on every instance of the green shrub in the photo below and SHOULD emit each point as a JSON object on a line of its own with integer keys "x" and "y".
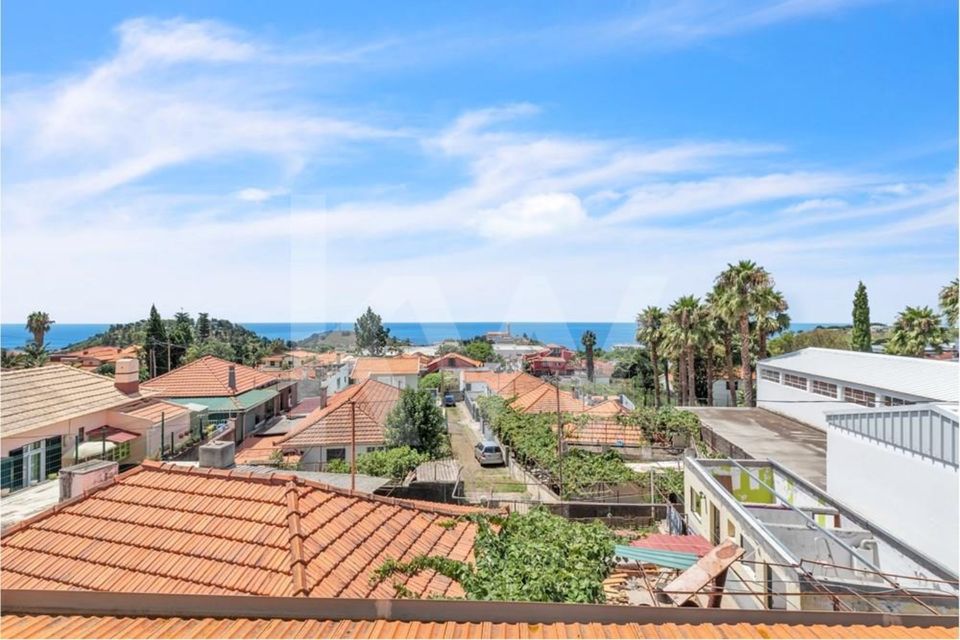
{"x": 393, "y": 463}
{"x": 338, "y": 466}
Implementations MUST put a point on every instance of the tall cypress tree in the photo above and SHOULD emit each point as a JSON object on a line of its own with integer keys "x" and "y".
{"x": 860, "y": 336}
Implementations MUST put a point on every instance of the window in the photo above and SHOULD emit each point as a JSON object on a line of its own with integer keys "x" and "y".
{"x": 823, "y": 388}
{"x": 890, "y": 401}
{"x": 771, "y": 375}
{"x": 80, "y": 434}
{"x": 858, "y": 396}
{"x": 336, "y": 454}
{"x": 797, "y": 382}
{"x": 696, "y": 502}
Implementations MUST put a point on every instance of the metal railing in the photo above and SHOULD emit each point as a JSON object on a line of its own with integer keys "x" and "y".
{"x": 924, "y": 431}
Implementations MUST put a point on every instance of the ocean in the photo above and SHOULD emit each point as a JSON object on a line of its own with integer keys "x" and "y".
{"x": 14, "y": 336}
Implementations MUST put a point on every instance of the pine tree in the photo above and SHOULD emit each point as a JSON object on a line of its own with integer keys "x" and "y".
{"x": 860, "y": 336}
{"x": 370, "y": 333}
{"x": 203, "y": 326}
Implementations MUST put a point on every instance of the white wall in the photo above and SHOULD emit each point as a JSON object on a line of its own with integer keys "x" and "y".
{"x": 398, "y": 381}
{"x": 804, "y": 406}
{"x": 913, "y": 498}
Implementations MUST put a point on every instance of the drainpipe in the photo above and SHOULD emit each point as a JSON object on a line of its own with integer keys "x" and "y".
{"x": 162, "y": 426}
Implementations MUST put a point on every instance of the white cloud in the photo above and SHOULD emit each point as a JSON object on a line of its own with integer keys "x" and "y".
{"x": 253, "y": 194}
{"x": 816, "y": 204}
{"x": 531, "y": 216}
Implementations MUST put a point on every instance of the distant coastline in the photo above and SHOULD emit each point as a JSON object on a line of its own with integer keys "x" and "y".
{"x": 14, "y": 336}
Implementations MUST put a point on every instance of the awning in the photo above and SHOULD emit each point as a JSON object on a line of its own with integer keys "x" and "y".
{"x": 672, "y": 559}
{"x": 93, "y": 449}
{"x": 113, "y": 434}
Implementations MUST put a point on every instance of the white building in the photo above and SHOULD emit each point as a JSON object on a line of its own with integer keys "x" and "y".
{"x": 898, "y": 467}
{"x": 805, "y": 385}
{"x": 802, "y": 545}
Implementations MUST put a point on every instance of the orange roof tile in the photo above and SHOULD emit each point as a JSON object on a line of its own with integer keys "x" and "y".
{"x": 261, "y": 449}
{"x": 86, "y": 626}
{"x": 372, "y": 401}
{"x": 507, "y": 385}
{"x": 171, "y": 529}
{"x": 543, "y": 399}
{"x": 607, "y": 408}
{"x": 398, "y": 366}
{"x": 603, "y": 431}
{"x": 444, "y": 361}
{"x": 104, "y": 353}
{"x": 207, "y": 377}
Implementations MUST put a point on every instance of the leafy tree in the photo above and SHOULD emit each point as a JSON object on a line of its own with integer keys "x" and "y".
{"x": 650, "y": 332}
{"x": 432, "y": 380}
{"x": 107, "y": 369}
{"x": 393, "y": 463}
{"x": 371, "y": 335}
{"x": 532, "y": 557}
{"x": 38, "y": 323}
{"x": 589, "y": 341}
{"x": 479, "y": 349}
{"x": 448, "y": 347}
{"x": 156, "y": 337}
{"x": 737, "y": 285}
{"x": 416, "y": 421}
{"x": 181, "y": 337}
{"x": 827, "y": 338}
{"x": 210, "y": 347}
{"x": 35, "y": 355}
{"x": 949, "y": 303}
{"x": 915, "y": 329}
{"x": 10, "y": 359}
{"x": 203, "y": 326}
{"x": 860, "y": 335}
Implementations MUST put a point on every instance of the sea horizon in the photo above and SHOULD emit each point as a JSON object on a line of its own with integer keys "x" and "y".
{"x": 609, "y": 334}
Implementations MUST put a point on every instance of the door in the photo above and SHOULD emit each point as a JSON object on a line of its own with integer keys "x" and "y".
{"x": 33, "y": 463}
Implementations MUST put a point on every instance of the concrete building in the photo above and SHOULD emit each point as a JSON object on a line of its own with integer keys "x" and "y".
{"x": 805, "y": 385}
{"x": 805, "y": 550}
{"x": 402, "y": 372}
{"x": 898, "y": 467}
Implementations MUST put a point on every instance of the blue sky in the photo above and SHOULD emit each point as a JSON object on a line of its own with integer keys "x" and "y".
{"x": 473, "y": 161}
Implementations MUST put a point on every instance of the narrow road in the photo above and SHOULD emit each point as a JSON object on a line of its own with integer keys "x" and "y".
{"x": 479, "y": 481}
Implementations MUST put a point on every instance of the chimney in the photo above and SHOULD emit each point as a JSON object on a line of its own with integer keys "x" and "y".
{"x": 85, "y": 476}
{"x": 232, "y": 377}
{"x": 217, "y": 455}
{"x": 126, "y": 375}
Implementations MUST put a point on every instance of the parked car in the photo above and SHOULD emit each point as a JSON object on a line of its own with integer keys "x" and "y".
{"x": 449, "y": 400}
{"x": 488, "y": 452}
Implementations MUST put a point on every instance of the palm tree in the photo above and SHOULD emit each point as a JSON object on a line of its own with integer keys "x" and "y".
{"x": 770, "y": 316}
{"x": 589, "y": 341}
{"x": 723, "y": 325}
{"x": 38, "y": 323}
{"x": 650, "y": 333}
{"x": 35, "y": 355}
{"x": 915, "y": 329}
{"x": 949, "y": 303}
{"x": 738, "y": 283}
{"x": 685, "y": 316}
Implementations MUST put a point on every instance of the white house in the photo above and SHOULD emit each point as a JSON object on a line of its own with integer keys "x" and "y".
{"x": 402, "y": 372}
{"x": 898, "y": 467}
{"x": 805, "y": 385}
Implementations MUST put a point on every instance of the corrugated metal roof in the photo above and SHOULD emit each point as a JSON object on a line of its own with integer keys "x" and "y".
{"x": 77, "y": 626}
{"x": 935, "y": 380}
{"x": 672, "y": 559}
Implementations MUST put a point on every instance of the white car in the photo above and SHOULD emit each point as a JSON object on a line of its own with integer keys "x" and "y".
{"x": 488, "y": 452}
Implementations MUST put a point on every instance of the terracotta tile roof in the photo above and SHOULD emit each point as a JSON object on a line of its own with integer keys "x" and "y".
{"x": 514, "y": 383}
{"x": 372, "y": 401}
{"x": 260, "y": 449}
{"x": 104, "y": 353}
{"x": 31, "y": 398}
{"x": 607, "y": 408}
{"x": 463, "y": 361}
{"x": 80, "y": 626}
{"x": 603, "y": 432}
{"x": 398, "y": 366}
{"x": 171, "y": 529}
{"x": 153, "y": 409}
{"x": 207, "y": 377}
{"x": 544, "y": 399}
{"x": 306, "y": 406}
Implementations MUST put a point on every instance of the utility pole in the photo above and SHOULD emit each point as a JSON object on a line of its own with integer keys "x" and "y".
{"x": 353, "y": 446}
{"x": 559, "y": 442}
{"x": 162, "y": 426}
{"x": 168, "y": 356}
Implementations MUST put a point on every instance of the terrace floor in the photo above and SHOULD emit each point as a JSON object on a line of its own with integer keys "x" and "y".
{"x": 763, "y": 435}
{"x": 28, "y": 502}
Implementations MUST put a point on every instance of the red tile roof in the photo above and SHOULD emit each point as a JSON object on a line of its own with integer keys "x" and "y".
{"x": 607, "y": 408}
{"x": 207, "y": 377}
{"x": 600, "y": 431}
{"x": 155, "y": 410}
{"x": 170, "y": 529}
{"x": 461, "y": 361}
{"x": 260, "y": 450}
{"x": 507, "y": 385}
{"x": 396, "y": 366}
{"x": 372, "y": 401}
{"x": 543, "y": 399}
{"x": 306, "y": 406}
{"x": 103, "y": 353}
{"x": 86, "y": 626}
